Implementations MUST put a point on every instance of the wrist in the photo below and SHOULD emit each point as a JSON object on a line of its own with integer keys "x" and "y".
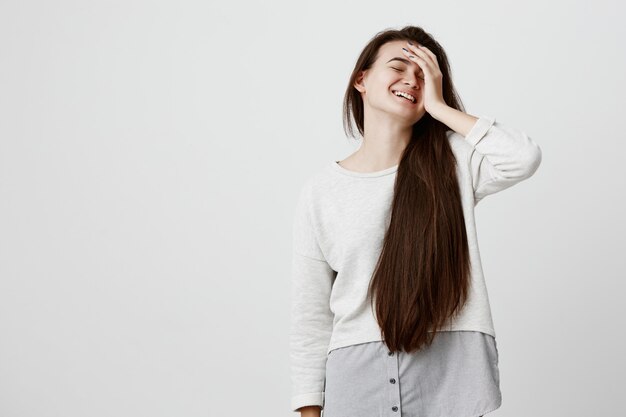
{"x": 310, "y": 411}
{"x": 438, "y": 111}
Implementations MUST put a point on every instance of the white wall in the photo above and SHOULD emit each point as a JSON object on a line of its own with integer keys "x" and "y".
{"x": 150, "y": 157}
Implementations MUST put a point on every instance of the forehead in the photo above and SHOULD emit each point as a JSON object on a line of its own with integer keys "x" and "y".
{"x": 391, "y": 47}
{"x": 392, "y": 50}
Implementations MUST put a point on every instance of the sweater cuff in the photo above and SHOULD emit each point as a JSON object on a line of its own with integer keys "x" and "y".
{"x": 479, "y": 129}
{"x": 302, "y": 400}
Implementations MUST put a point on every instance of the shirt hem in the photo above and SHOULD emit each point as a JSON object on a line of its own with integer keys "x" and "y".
{"x": 376, "y": 338}
{"x": 491, "y": 409}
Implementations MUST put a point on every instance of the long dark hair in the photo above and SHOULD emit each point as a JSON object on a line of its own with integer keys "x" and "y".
{"x": 422, "y": 276}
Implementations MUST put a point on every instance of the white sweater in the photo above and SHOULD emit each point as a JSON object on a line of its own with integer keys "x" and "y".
{"x": 339, "y": 225}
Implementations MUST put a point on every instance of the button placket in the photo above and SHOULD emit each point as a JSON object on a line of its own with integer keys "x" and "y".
{"x": 393, "y": 385}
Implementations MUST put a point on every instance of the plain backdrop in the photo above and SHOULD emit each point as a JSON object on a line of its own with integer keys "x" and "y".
{"x": 151, "y": 153}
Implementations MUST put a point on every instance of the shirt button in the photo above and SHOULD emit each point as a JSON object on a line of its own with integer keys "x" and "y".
{"x": 392, "y": 380}
{"x": 394, "y": 408}
{"x": 390, "y": 353}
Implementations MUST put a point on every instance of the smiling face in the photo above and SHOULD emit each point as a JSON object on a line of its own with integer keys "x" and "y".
{"x": 393, "y": 72}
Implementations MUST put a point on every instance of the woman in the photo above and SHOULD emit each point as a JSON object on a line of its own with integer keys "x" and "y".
{"x": 390, "y": 311}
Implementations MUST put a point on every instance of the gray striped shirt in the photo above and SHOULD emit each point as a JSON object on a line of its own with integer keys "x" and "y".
{"x": 456, "y": 376}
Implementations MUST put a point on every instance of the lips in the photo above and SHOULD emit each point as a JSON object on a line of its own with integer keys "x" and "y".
{"x": 403, "y": 98}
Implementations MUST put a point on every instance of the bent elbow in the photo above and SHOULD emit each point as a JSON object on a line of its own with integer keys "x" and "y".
{"x": 532, "y": 158}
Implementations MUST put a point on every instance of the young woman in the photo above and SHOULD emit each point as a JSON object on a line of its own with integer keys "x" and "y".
{"x": 390, "y": 311}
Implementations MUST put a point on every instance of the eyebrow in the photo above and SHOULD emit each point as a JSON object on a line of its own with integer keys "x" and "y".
{"x": 406, "y": 61}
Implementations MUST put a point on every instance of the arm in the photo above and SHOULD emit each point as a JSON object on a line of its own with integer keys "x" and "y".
{"x": 310, "y": 411}
{"x": 500, "y": 157}
{"x": 455, "y": 119}
{"x": 311, "y": 317}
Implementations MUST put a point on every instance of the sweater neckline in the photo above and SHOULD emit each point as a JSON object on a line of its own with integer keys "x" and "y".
{"x": 387, "y": 171}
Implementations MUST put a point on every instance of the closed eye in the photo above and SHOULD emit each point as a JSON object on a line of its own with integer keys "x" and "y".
{"x": 399, "y": 70}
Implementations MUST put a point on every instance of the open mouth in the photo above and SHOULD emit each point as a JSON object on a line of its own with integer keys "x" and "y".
{"x": 408, "y": 98}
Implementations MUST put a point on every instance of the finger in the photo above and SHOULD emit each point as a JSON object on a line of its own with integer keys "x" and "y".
{"x": 421, "y": 61}
{"x": 419, "y": 53}
{"x": 430, "y": 53}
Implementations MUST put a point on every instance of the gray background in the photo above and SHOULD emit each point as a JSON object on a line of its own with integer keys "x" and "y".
{"x": 151, "y": 153}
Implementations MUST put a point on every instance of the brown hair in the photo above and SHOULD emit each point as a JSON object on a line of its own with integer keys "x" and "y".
{"x": 422, "y": 276}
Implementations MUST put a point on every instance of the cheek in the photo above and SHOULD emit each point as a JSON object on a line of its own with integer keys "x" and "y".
{"x": 386, "y": 80}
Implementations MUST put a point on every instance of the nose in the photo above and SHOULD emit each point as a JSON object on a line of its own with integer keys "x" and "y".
{"x": 414, "y": 85}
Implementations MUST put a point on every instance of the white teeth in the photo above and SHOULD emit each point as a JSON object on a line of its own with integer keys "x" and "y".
{"x": 405, "y": 95}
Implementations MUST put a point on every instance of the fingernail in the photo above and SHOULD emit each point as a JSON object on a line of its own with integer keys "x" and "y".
{"x": 410, "y": 43}
{"x": 405, "y": 49}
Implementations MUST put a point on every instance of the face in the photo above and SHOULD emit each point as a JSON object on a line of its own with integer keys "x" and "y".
{"x": 391, "y": 72}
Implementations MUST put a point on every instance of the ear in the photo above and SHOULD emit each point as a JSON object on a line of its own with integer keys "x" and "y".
{"x": 359, "y": 83}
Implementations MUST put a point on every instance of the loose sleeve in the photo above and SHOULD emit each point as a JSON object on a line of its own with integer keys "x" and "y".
{"x": 500, "y": 157}
{"x": 311, "y": 318}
